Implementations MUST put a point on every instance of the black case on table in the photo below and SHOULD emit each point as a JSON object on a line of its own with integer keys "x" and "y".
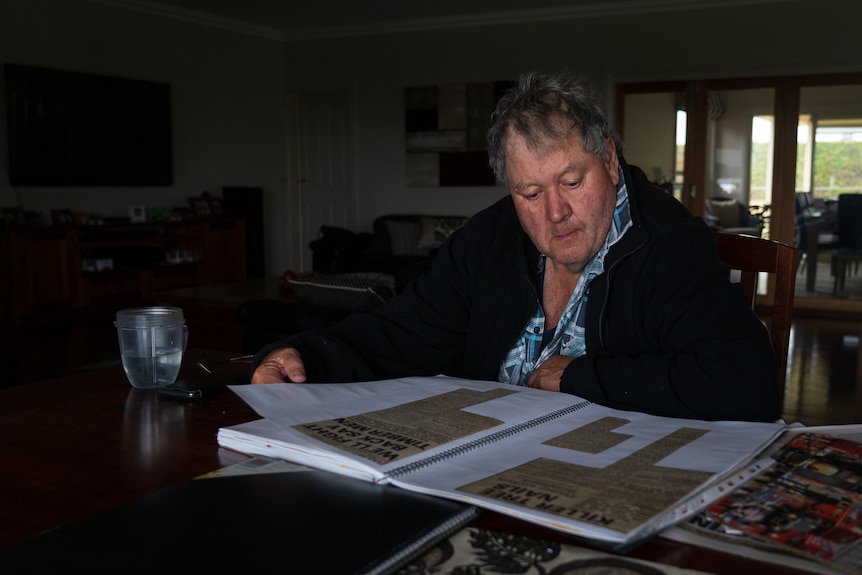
{"x": 293, "y": 522}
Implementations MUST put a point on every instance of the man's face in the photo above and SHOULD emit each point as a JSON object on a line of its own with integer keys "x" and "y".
{"x": 564, "y": 197}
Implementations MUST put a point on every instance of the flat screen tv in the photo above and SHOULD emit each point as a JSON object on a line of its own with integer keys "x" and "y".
{"x": 74, "y": 129}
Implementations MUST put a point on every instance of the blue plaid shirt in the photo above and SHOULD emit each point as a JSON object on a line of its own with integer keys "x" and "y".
{"x": 568, "y": 338}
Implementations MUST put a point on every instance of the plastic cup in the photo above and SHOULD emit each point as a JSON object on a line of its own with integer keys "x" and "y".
{"x": 152, "y": 342}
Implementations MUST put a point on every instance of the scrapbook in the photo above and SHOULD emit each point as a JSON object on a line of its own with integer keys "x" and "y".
{"x": 614, "y": 477}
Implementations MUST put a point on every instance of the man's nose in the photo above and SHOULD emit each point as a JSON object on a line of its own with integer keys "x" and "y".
{"x": 558, "y": 208}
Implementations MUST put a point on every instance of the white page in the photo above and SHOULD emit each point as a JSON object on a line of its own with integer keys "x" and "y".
{"x": 289, "y": 405}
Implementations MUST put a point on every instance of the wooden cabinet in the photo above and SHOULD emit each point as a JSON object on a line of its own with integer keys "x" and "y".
{"x": 85, "y": 266}
{"x": 147, "y": 259}
{"x": 39, "y": 270}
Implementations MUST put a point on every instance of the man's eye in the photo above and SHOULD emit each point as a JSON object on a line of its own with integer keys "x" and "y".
{"x": 572, "y": 184}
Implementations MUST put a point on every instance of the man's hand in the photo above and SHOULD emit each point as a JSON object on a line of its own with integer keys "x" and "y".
{"x": 279, "y": 366}
{"x": 548, "y": 375}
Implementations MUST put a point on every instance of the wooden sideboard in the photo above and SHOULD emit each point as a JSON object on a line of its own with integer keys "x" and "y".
{"x": 61, "y": 285}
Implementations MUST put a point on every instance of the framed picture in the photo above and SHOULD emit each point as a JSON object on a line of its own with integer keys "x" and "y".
{"x": 200, "y": 206}
{"x": 61, "y": 217}
{"x": 137, "y": 214}
{"x": 216, "y": 207}
{"x": 445, "y": 129}
{"x": 12, "y": 216}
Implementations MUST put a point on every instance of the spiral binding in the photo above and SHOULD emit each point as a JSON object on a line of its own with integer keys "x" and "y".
{"x": 485, "y": 440}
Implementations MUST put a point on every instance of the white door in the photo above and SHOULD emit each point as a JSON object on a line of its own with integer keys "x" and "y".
{"x": 325, "y": 178}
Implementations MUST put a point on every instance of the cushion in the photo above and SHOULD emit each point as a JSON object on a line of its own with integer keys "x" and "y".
{"x": 338, "y": 250}
{"x": 404, "y": 238}
{"x": 436, "y": 230}
{"x": 353, "y": 292}
{"x": 727, "y": 212}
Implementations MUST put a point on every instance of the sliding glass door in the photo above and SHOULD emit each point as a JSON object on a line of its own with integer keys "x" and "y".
{"x": 775, "y": 152}
{"x": 739, "y": 156}
{"x": 829, "y": 176}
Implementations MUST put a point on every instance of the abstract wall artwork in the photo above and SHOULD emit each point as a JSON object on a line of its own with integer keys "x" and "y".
{"x": 446, "y": 128}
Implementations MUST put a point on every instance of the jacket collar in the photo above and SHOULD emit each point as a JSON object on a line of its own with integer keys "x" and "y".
{"x": 637, "y": 235}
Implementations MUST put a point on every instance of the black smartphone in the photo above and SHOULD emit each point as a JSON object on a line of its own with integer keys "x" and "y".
{"x": 204, "y": 385}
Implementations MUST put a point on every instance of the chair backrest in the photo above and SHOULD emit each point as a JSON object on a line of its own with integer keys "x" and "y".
{"x": 750, "y": 256}
{"x": 804, "y": 201}
{"x": 849, "y": 221}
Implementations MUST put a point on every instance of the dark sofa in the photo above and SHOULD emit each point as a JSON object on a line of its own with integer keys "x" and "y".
{"x": 397, "y": 241}
{"x": 353, "y": 272}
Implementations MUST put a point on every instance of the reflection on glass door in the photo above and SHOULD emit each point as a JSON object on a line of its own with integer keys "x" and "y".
{"x": 739, "y": 160}
{"x": 654, "y": 134}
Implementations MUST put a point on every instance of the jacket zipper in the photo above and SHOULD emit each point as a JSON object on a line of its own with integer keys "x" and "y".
{"x": 609, "y": 273}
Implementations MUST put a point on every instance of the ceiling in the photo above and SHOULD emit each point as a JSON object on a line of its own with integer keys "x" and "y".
{"x": 305, "y": 19}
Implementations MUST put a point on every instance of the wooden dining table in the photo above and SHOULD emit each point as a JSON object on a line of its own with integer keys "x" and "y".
{"x": 87, "y": 442}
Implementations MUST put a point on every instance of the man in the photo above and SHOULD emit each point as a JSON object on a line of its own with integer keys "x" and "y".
{"x": 586, "y": 279}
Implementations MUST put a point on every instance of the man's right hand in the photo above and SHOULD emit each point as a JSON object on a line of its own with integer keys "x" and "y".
{"x": 279, "y": 366}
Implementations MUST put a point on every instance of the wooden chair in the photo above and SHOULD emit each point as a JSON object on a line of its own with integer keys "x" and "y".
{"x": 849, "y": 238}
{"x": 749, "y": 256}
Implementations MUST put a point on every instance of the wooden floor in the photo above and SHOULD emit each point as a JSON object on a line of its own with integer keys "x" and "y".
{"x": 824, "y": 283}
{"x": 824, "y": 373}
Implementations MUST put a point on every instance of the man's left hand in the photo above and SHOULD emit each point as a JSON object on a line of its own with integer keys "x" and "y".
{"x": 548, "y": 375}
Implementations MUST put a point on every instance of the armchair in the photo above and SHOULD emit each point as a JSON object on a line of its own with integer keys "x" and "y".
{"x": 730, "y": 216}
{"x": 353, "y": 272}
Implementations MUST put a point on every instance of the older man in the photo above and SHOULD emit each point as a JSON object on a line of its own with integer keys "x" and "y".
{"x": 586, "y": 279}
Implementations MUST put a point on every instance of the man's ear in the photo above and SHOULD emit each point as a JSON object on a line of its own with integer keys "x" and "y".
{"x": 612, "y": 162}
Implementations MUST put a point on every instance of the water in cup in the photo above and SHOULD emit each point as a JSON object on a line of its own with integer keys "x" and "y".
{"x": 153, "y": 371}
{"x": 152, "y": 342}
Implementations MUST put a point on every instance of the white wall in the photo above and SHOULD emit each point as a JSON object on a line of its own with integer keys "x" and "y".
{"x": 377, "y": 70}
{"x": 229, "y": 88}
{"x": 227, "y": 102}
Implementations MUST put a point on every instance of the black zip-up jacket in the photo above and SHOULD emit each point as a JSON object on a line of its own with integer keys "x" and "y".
{"x": 666, "y": 332}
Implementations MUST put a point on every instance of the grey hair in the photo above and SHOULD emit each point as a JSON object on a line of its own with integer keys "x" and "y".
{"x": 545, "y": 109}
